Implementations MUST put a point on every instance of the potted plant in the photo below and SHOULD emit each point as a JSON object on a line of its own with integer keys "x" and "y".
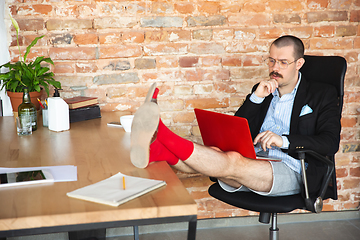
{"x": 27, "y": 74}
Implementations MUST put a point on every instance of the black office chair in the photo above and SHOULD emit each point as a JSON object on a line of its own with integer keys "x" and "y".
{"x": 328, "y": 69}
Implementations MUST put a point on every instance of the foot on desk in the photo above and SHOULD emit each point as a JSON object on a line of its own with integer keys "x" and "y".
{"x": 152, "y": 141}
{"x": 152, "y": 93}
{"x": 145, "y": 123}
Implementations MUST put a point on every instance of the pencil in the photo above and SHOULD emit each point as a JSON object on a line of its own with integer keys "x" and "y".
{"x": 40, "y": 103}
{"x": 123, "y": 180}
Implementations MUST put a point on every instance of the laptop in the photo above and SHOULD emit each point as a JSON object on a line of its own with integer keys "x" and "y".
{"x": 228, "y": 133}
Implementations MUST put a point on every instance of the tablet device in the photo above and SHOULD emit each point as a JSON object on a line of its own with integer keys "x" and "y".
{"x": 25, "y": 178}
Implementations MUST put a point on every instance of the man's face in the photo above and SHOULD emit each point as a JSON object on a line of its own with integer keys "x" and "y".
{"x": 288, "y": 76}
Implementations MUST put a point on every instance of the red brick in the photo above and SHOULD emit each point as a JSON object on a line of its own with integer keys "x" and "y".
{"x": 110, "y": 38}
{"x": 56, "y": 24}
{"x": 64, "y": 67}
{"x": 164, "y": 76}
{"x": 184, "y": 117}
{"x": 340, "y": 4}
{"x": 27, "y": 39}
{"x": 317, "y": 4}
{"x": 184, "y": 7}
{"x": 165, "y": 48}
{"x": 341, "y": 173}
{"x": 179, "y": 35}
{"x": 337, "y": 43}
{"x": 120, "y": 51}
{"x": 326, "y": 16}
{"x": 352, "y": 183}
{"x": 133, "y": 37}
{"x": 352, "y": 97}
{"x": 355, "y": 16}
{"x": 34, "y": 53}
{"x": 161, "y": 7}
{"x": 270, "y": 33}
{"x": 167, "y": 62}
{"x": 66, "y": 10}
{"x": 194, "y": 75}
{"x": 86, "y": 10}
{"x": 31, "y": 24}
{"x": 348, "y": 122}
{"x": 253, "y": 60}
{"x": 232, "y": 61}
{"x": 357, "y": 42}
{"x": 156, "y": 36}
{"x": 209, "y": 7}
{"x": 352, "y": 57}
{"x": 86, "y": 67}
{"x": 72, "y": 53}
{"x": 355, "y": 172}
{"x": 225, "y": 87}
{"x": 324, "y": 31}
{"x": 302, "y": 32}
{"x": 223, "y": 34}
{"x": 210, "y": 61}
{"x": 230, "y": 7}
{"x": 207, "y": 103}
{"x": 249, "y": 20}
{"x": 36, "y": 9}
{"x": 258, "y": 7}
{"x": 344, "y": 31}
{"x": 216, "y": 74}
{"x": 285, "y": 6}
{"x": 186, "y": 62}
{"x": 86, "y": 39}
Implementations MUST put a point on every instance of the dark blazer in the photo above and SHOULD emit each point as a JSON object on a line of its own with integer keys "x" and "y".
{"x": 318, "y": 131}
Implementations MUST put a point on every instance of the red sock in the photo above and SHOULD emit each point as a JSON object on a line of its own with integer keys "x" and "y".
{"x": 154, "y": 97}
{"x": 158, "y": 152}
{"x": 179, "y": 146}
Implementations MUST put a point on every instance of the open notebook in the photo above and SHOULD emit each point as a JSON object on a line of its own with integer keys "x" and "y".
{"x": 228, "y": 133}
{"x": 111, "y": 190}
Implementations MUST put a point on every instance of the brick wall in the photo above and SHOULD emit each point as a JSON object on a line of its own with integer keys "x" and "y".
{"x": 204, "y": 54}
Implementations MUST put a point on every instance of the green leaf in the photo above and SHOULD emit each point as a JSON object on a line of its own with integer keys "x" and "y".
{"x": 15, "y": 24}
{"x": 31, "y": 45}
{"x": 37, "y": 61}
{"x": 42, "y": 71}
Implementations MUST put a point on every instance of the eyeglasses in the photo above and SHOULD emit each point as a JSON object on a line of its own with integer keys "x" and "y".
{"x": 283, "y": 64}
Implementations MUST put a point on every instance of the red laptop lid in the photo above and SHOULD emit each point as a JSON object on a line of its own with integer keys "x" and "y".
{"x": 229, "y": 133}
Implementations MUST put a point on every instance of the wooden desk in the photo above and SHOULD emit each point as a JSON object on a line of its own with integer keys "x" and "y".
{"x": 99, "y": 152}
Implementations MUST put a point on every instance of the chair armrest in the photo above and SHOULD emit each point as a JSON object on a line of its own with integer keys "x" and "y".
{"x": 315, "y": 205}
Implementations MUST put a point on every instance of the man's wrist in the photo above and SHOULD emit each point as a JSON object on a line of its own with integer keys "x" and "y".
{"x": 286, "y": 142}
{"x": 256, "y": 99}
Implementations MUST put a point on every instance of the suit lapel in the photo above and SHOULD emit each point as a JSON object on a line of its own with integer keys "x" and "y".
{"x": 299, "y": 102}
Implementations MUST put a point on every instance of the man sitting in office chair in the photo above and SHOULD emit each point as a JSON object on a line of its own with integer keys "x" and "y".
{"x": 285, "y": 112}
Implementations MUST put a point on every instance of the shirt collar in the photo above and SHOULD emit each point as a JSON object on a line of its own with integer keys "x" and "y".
{"x": 293, "y": 92}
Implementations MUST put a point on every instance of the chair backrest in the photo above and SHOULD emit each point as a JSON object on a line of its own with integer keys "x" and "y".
{"x": 330, "y": 70}
{"x": 326, "y": 69}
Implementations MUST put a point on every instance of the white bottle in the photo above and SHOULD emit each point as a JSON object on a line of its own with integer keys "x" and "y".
{"x": 58, "y": 113}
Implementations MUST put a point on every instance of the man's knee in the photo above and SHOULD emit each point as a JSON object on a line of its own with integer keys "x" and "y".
{"x": 234, "y": 156}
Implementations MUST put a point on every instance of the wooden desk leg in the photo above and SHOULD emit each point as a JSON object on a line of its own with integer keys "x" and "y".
{"x": 136, "y": 232}
{"x": 96, "y": 234}
{"x": 192, "y": 229}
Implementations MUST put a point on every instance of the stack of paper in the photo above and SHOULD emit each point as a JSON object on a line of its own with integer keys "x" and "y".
{"x": 111, "y": 191}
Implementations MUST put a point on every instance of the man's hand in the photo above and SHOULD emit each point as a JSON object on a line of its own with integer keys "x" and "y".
{"x": 268, "y": 139}
{"x": 266, "y": 87}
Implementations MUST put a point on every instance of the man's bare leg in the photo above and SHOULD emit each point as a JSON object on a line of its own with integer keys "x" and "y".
{"x": 230, "y": 167}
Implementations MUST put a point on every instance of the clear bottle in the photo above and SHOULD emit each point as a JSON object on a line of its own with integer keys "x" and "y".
{"x": 28, "y": 109}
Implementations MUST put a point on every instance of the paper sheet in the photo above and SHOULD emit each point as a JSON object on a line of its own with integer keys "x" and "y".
{"x": 111, "y": 192}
